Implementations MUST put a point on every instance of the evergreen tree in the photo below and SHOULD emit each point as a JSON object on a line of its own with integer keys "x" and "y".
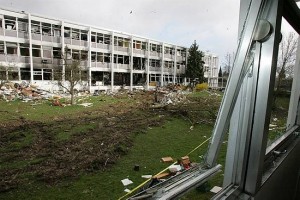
{"x": 220, "y": 72}
{"x": 195, "y": 63}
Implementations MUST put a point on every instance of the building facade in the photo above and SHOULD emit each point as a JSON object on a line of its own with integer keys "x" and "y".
{"x": 211, "y": 69}
{"x": 31, "y": 48}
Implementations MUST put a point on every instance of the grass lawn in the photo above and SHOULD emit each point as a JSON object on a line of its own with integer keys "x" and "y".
{"x": 173, "y": 139}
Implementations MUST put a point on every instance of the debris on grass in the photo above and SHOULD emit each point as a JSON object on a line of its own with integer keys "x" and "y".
{"x": 126, "y": 181}
{"x": 167, "y": 159}
{"x": 216, "y": 189}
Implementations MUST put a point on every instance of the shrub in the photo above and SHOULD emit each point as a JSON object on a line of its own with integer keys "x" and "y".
{"x": 202, "y": 86}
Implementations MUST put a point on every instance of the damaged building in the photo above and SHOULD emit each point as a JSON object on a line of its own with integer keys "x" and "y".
{"x": 31, "y": 49}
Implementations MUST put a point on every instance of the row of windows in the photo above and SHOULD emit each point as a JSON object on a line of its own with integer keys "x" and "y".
{"x": 20, "y": 24}
{"x": 55, "y": 52}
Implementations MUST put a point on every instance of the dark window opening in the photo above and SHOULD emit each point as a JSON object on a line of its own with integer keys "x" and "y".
{"x": 122, "y": 79}
{"x": 84, "y": 75}
{"x": 67, "y": 32}
{"x": 47, "y": 74}
{"x": 24, "y": 49}
{"x": 11, "y": 48}
{"x": 37, "y": 74}
{"x": 56, "y": 52}
{"x": 84, "y": 55}
{"x": 36, "y": 51}
{"x": 35, "y": 27}
{"x": 13, "y": 75}
{"x": 84, "y": 36}
{"x": 46, "y": 29}
{"x": 10, "y": 23}
{"x": 25, "y": 74}
{"x": 23, "y": 25}
{"x": 93, "y": 38}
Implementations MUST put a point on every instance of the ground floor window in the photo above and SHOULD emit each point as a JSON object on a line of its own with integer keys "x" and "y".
{"x": 25, "y": 73}
{"x": 47, "y": 74}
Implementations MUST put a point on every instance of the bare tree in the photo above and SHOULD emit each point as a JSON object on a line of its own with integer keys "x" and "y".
{"x": 227, "y": 64}
{"x": 6, "y": 72}
{"x": 286, "y": 58}
{"x": 68, "y": 76}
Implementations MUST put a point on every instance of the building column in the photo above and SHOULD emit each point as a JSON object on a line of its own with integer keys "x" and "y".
{"x": 175, "y": 65}
{"x": 131, "y": 63}
{"x": 63, "y": 51}
{"x": 148, "y": 64}
{"x": 162, "y": 65}
{"x": 90, "y": 59}
{"x": 112, "y": 61}
{"x": 30, "y": 48}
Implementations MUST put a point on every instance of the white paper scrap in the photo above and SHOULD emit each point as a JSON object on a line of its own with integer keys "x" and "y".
{"x": 147, "y": 176}
{"x": 216, "y": 189}
{"x": 126, "y": 182}
{"x": 126, "y": 190}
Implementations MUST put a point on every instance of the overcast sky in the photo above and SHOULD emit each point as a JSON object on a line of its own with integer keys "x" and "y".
{"x": 212, "y": 23}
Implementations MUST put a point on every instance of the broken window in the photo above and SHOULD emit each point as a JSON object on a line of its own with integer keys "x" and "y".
{"x": 84, "y": 75}
{"x": 37, "y": 74}
{"x": 24, "y": 49}
{"x": 10, "y": 23}
{"x": 121, "y": 42}
{"x": 13, "y": 75}
{"x": 75, "y": 34}
{"x": 107, "y": 57}
{"x": 36, "y": 51}
{"x": 137, "y": 44}
{"x": 93, "y": 56}
{"x": 168, "y": 64}
{"x": 139, "y": 79}
{"x": 93, "y": 37}
{"x": 46, "y": 29}
{"x": 169, "y": 50}
{"x": 67, "y": 32}
{"x": 25, "y": 73}
{"x": 11, "y": 48}
{"x": 103, "y": 38}
{"x": 144, "y": 45}
{"x": 84, "y": 35}
{"x": 120, "y": 59}
{"x": 47, "y": 52}
{"x": 139, "y": 63}
{"x": 100, "y": 57}
{"x": 23, "y": 25}
{"x": 178, "y": 65}
{"x": 3, "y": 73}
{"x": 47, "y": 74}
{"x": 155, "y": 47}
{"x": 35, "y": 27}
{"x": 1, "y": 47}
{"x": 122, "y": 79}
{"x": 56, "y": 52}
{"x": 75, "y": 54}
{"x": 154, "y": 63}
{"x": 57, "y": 30}
{"x": 84, "y": 55}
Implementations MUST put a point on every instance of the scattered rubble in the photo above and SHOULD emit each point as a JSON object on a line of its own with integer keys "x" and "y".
{"x": 126, "y": 181}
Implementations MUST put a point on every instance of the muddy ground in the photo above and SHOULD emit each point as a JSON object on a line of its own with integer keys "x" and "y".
{"x": 94, "y": 140}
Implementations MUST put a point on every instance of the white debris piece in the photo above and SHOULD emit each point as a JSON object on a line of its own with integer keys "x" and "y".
{"x": 175, "y": 168}
{"x": 147, "y": 176}
{"x": 126, "y": 182}
{"x": 86, "y": 104}
{"x": 126, "y": 190}
{"x": 216, "y": 189}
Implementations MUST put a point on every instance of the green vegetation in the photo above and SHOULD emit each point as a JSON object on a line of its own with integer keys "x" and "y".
{"x": 75, "y": 152}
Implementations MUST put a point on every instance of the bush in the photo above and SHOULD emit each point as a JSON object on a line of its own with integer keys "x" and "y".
{"x": 202, "y": 86}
